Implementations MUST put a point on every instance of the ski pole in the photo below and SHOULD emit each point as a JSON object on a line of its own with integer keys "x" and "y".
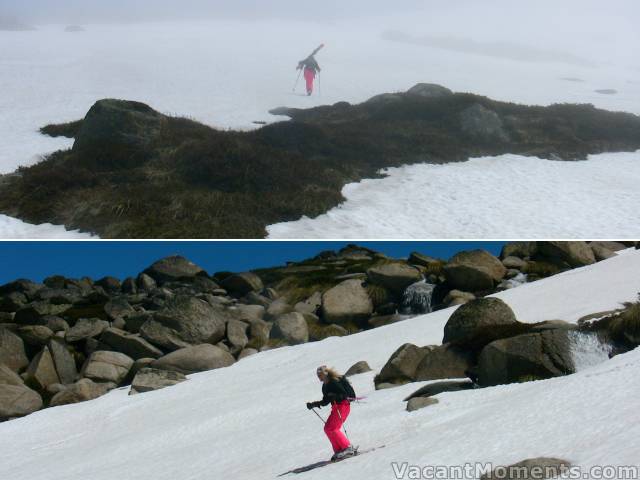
{"x": 319, "y": 86}
{"x": 321, "y": 419}
{"x": 297, "y": 79}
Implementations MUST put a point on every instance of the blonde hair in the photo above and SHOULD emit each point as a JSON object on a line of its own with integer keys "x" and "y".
{"x": 332, "y": 373}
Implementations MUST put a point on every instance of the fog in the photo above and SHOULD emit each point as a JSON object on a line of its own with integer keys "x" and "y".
{"x": 494, "y": 11}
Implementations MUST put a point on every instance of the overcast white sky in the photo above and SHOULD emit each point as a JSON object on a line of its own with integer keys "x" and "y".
{"x": 95, "y": 11}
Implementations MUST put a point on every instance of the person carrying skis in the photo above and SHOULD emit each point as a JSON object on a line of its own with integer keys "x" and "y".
{"x": 337, "y": 391}
{"x": 309, "y": 67}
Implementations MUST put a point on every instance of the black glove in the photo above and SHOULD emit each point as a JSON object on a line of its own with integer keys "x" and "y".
{"x": 311, "y": 405}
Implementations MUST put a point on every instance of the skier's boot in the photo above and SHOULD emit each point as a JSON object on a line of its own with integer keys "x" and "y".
{"x": 347, "y": 452}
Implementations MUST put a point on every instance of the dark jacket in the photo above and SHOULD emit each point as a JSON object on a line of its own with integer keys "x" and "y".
{"x": 333, "y": 391}
{"x": 309, "y": 62}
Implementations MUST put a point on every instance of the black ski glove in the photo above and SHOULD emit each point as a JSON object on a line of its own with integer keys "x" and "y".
{"x": 311, "y": 405}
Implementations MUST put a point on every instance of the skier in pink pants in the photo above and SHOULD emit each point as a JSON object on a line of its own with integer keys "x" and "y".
{"x": 309, "y": 67}
{"x": 336, "y": 390}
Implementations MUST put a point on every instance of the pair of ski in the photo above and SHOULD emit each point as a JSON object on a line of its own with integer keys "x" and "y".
{"x": 324, "y": 463}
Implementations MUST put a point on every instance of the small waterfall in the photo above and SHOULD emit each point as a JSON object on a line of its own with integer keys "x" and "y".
{"x": 416, "y": 298}
{"x": 519, "y": 279}
{"x": 587, "y": 350}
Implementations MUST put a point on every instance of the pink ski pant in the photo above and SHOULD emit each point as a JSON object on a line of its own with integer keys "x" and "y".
{"x": 339, "y": 413}
{"x": 309, "y": 75}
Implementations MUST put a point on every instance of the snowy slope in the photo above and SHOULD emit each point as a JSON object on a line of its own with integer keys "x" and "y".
{"x": 229, "y": 74}
{"x": 249, "y": 421}
{"x": 509, "y": 196}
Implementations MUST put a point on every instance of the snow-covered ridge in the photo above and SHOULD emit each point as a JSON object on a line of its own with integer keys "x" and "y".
{"x": 249, "y": 421}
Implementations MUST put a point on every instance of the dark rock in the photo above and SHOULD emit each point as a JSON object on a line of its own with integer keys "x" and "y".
{"x": 525, "y": 357}
{"x": 444, "y": 361}
{"x": 17, "y": 401}
{"x": 291, "y": 327}
{"x": 186, "y": 321}
{"x": 479, "y": 122}
{"x": 104, "y": 366}
{"x": 436, "y": 388}
{"x": 519, "y": 249}
{"x": 310, "y": 305}
{"x": 539, "y": 468}
{"x": 83, "y": 390}
{"x": 240, "y": 284}
{"x": 358, "y": 368}
{"x": 42, "y": 371}
{"x": 277, "y": 308}
{"x": 346, "y": 302}
{"x": 247, "y": 352}
{"x": 402, "y": 365}
{"x": 195, "y": 359}
{"x": 118, "y": 308}
{"x": 12, "y": 301}
{"x": 110, "y": 284}
{"x": 12, "y": 352}
{"x": 26, "y": 287}
{"x": 174, "y": 268}
{"x": 394, "y": 276}
{"x": 576, "y": 254}
{"x": 9, "y": 377}
{"x": 474, "y": 271}
{"x": 86, "y": 328}
{"x": 417, "y": 258}
{"x": 132, "y": 345}
{"x": 417, "y": 403}
{"x": 472, "y": 318}
{"x": 145, "y": 282}
{"x": 129, "y": 286}
{"x": 149, "y": 379}
{"x": 35, "y": 335}
{"x": 63, "y": 361}
{"x": 33, "y": 313}
{"x": 237, "y": 334}
{"x": 429, "y": 90}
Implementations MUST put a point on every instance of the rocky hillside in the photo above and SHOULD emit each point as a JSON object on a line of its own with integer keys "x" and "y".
{"x": 135, "y": 173}
{"x": 69, "y": 340}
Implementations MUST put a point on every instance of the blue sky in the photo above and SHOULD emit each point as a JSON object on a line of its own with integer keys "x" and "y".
{"x": 38, "y": 260}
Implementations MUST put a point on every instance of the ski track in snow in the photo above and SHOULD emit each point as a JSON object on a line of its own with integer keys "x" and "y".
{"x": 216, "y": 73}
{"x": 249, "y": 421}
{"x": 509, "y": 196}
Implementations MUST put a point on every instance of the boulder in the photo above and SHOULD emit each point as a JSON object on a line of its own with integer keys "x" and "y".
{"x": 291, "y": 327}
{"x": 526, "y": 357}
{"x": 149, "y": 379}
{"x": 417, "y": 403}
{"x": 457, "y": 297}
{"x": 471, "y": 320}
{"x": 12, "y": 352}
{"x": 539, "y": 468}
{"x": 63, "y": 361}
{"x": 249, "y": 313}
{"x": 240, "y": 284}
{"x": 436, "y": 388}
{"x": 237, "y": 334}
{"x": 117, "y": 125}
{"x": 35, "y": 335}
{"x": 402, "y": 365}
{"x": 104, "y": 366}
{"x": 146, "y": 283}
{"x": 444, "y": 361}
{"x": 109, "y": 284}
{"x": 429, "y": 90}
{"x": 42, "y": 371}
{"x": 131, "y": 344}
{"x": 194, "y": 359}
{"x": 60, "y": 296}
{"x": 17, "y": 401}
{"x": 358, "y": 368}
{"x": 416, "y": 258}
{"x": 35, "y": 313}
{"x": 118, "y": 308}
{"x": 483, "y": 124}
{"x": 247, "y": 352}
{"x": 394, "y": 276}
{"x": 260, "y": 330}
{"x": 174, "y": 268}
{"x": 277, "y": 308}
{"x": 576, "y": 254}
{"x": 129, "y": 286}
{"x": 611, "y": 246}
{"x": 514, "y": 262}
{"x": 12, "y": 301}
{"x": 474, "y": 271}
{"x": 86, "y": 328}
{"x": 9, "y": 377}
{"x": 186, "y": 321}
{"x": 310, "y": 305}
{"x": 346, "y": 302}
{"x": 81, "y": 391}
{"x": 21, "y": 285}
{"x": 601, "y": 253}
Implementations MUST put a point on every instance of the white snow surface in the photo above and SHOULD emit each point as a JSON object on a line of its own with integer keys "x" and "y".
{"x": 508, "y": 196}
{"x": 230, "y": 73}
{"x": 249, "y": 421}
